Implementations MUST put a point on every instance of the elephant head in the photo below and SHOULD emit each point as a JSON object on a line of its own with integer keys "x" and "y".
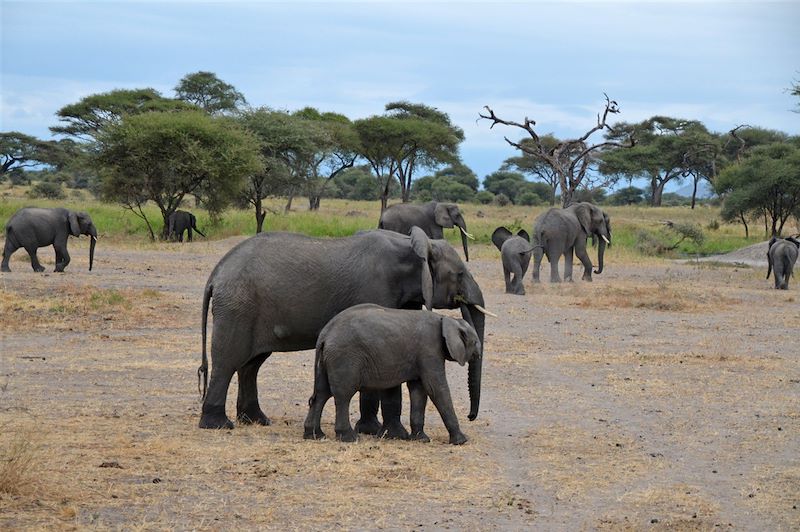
{"x": 448, "y": 215}
{"x": 595, "y": 222}
{"x": 446, "y": 283}
{"x": 501, "y": 234}
{"x": 80, "y": 223}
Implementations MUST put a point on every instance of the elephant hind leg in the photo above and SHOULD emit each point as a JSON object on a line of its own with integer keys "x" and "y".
{"x": 368, "y": 406}
{"x": 247, "y": 408}
{"x": 312, "y": 428}
{"x": 391, "y": 410}
{"x": 11, "y": 246}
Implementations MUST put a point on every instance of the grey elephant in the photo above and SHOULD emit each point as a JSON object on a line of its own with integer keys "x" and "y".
{"x": 515, "y": 254}
{"x": 276, "y": 291}
{"x": 33, "y": 228}
{"x": 781, "y": 256}
{"x": 560, "y": 232}
{"x": 431, "y": 217}
{"x": 180, "y": 221}
{"x": 369, "y": 347}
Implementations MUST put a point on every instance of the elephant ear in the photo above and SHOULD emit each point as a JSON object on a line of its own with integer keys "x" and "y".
{"x": 441, "y": 215}
{"x": 452, "y": 333}
{"x": 522, "y": 233}
{"x": 772, "y": 242}
{"x": 74, "y": 226}
{"x": 422, "y": 249}
{"x": 500, "y": 235}
{"x": 584, "y": 215}
{"x": 794, "y": 241}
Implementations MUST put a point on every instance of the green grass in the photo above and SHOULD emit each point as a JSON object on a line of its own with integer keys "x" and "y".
{"x": 337, "y": 218}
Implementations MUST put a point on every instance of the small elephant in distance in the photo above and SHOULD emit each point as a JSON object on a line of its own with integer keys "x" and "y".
{"x": 33, "y": 228}
{"x": 180, "y": 221}
{"x": 369, "y": 347}
{"x": 781, "y": 256}
{"x": 515, "y": 253}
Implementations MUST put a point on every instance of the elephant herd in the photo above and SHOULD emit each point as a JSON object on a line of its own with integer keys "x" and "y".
{"x": 359, "y": 301}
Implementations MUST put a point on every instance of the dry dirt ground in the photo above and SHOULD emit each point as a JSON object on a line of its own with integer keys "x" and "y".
{"x": 662, "y": 395}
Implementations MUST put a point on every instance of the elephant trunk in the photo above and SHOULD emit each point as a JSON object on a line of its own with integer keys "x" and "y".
{"x": 477, "y": 320}
{"x": 92, "y": 243}
{"x": 601, "y": 251}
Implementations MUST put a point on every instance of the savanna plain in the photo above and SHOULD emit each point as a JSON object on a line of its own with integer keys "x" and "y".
{"x": 663, "y": 395}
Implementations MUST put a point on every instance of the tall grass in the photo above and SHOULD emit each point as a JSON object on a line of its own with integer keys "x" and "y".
{"x": 337, "y": 218}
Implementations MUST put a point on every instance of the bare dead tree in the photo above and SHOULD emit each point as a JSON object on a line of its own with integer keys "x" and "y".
{"x": 571, "y": 158}
{"x": 742, "y": 142}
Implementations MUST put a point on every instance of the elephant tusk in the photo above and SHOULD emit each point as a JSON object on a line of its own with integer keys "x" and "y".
{"x": 485, "y": 311}
{"x": 604, "y": 238}
{"x": 466, "y": 234}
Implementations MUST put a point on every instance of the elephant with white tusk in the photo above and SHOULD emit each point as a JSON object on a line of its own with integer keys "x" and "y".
{"x": 430, "y": 217}
{"x": 33, "y": 228}
{"x": 276, "y": 291}
{"x": 560, "y": 232}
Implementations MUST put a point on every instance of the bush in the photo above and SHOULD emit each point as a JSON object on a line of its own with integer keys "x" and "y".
{"x": 502, "y": 200}
{"x": 46, "y": 190}
{"x": 529, "y": 198}
{"x": 484, "y": 197}
{"x": 659, "y": 244}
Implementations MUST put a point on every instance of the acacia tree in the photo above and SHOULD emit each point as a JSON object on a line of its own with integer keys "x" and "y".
{"x": 336, "y": 149}
{"x": 86, "y": 119}
{"x": 207, "y": 91}
{"x": 18, "y": 150}
{"x": 162, "y": 157}
{"x": 767, "y": 181}
{"x": 667, "y": 149}
{"x": 379, "y": 138}
{"x": 570, "y": 159}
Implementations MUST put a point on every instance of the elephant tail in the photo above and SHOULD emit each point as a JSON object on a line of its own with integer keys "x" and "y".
{"x": 320, "y": 377}
{"x": 194, "y": 226}
{"x": 202, "y": 371}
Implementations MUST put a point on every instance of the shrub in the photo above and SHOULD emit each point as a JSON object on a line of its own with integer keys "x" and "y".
{"x": 47, "y": 190}
{"x": 502, "y": 200}
{"x": 529, "y": 198}
{"x": 484, "y": 197}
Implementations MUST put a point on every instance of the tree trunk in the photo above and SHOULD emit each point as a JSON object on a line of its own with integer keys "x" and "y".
{"x": 694, "y": 193}
{"x": 552, "y": 196}
{"x": 384, "y": 203}
{"x": 261, "y": 214}
{"x": 289, "y": 202}
{"x": 566, "y": 198}
{"x": 744, "y": 222}
{"x": 658, "y": 191}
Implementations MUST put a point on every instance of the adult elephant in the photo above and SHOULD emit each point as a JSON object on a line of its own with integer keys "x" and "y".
{"x": 431, "y": 217}
{"x": 33, "y": 228}
{"x": 180, "y": 221}
{"x": 276, "y": 291}
{"x": 560, "y": 232}
{"x": 781, "y": 256}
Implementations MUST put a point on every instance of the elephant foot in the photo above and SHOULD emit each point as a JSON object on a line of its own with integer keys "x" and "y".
{"x": 587, "y": 278}
{"x": 38, "y": 269}
{"x": 215, "y": 418}
{"x": 368, "y": 426}
{"x": 458, "y": 438}
{"x": 312, "y": 434}
{"x": 420, "y": 436}
{"x": 393, "y": 430}
{"x": 347, "y": 436}
{"x": 5, "y": 268}
{"x": 253, "y": 416}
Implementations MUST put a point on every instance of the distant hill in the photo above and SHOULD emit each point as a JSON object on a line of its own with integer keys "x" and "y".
{"x": 704, "y": 190}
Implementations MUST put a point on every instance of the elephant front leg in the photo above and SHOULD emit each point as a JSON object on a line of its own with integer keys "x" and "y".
{"x": 391, "y": 409}
{"x": 439, "y": 392}
{"x": 247, "y": 408}
{"x": 507, "y": 279}
{"x": 62, "y": 258}
{"x": 419, "y": 400}
{"x": 583, "y": 256}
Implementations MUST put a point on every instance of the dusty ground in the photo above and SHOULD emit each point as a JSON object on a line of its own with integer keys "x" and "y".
{"x": 662, "y": 395}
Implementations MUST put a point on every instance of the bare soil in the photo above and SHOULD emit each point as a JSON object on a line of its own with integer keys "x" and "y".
{"x": 661, "y": 395}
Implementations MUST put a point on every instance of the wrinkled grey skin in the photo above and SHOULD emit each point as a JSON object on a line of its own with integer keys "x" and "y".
{"x": 781, "y": 256}
{"x": 431, "y": 217}
{"x": 515, "y": 253}
{"x": 276, "y": 291}
{"x": 369, "y": 347}
{"x": 560, "y": 232}
{"x": 32, "y": 228}
{"x": 180, "y": 221}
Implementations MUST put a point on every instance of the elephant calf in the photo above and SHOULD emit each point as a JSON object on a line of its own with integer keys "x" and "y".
{"x": 515, "y": 253}
{"x": 781, "y": 256}
{"x": 180, "y": 221}
{"x": 369, "y": 347}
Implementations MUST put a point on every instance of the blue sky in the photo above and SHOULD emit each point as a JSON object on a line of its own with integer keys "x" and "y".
{"x": 722, "y": 63}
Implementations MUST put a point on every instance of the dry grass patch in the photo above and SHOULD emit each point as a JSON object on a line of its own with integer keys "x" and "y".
{"x": 661, "y": 297}
{"x": 65, "y": 308}
{"x": 19, "y": 456}
{"x": 676, "y": 506}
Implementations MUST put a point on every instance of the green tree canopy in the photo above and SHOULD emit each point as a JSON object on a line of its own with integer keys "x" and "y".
{"x": 87, "y": 118}
{"x": 207, "y": 91}
{"x": 18, "y": 150}
{"x": 504, "y": 182}
{"x": 666, "y": 149}
{"x": 767, "y": 181}
{"x": 626, "y": 196}
{"x": 163, "y": 156}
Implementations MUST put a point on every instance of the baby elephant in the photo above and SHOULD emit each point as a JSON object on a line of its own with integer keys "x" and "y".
{"x": 782, "y": 255}
{"x": 180, "y": 221}
{"x": 369, "y": 347}
{"x": 515, "y": 252}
